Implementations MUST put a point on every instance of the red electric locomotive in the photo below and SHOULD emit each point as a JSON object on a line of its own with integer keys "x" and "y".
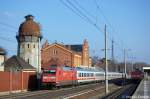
{"x": 59, "y": 76}
{"x": 137, "y": 75}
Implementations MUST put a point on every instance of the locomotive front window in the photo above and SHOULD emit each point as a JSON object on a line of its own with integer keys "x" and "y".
{"x": 50, "y": 71}
{"x": 80, "y": 75}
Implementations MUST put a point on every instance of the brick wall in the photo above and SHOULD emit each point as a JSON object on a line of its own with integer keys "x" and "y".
{"x": 56, "y": 55}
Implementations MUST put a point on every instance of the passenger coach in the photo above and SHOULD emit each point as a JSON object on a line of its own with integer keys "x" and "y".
{"x": 66, "y": 75}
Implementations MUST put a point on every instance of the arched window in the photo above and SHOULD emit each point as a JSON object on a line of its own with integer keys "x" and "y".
{"x": 28, "y": 45}
{"x": 54, "y": 52}
{"x": 34, "y": 46}
{"x": 28, "y": 61}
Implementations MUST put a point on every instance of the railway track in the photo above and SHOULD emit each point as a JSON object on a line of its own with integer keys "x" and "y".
{"x": 122, "y": 93}
{"x": 64, "y": 93}
{"x": 88, "y": 91}
{"x": 50, "y": 93}
{"x": 92, "y": 93}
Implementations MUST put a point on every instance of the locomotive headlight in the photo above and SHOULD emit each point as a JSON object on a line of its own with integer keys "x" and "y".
{"x": 44, "y": 77}
{"x": 53, "y": 77}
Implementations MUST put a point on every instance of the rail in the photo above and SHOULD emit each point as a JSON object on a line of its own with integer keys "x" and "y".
{"x": 122, "y": 93}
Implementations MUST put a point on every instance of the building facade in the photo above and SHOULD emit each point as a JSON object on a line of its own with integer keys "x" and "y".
{"x": 29, "y": 37}
{"x": 2, "y": 58}
{"x": 68, "y": 55}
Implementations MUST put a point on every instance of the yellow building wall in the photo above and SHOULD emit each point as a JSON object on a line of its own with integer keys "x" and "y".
{"x": 90, "y": 62}
{"x": 77, "y": 60}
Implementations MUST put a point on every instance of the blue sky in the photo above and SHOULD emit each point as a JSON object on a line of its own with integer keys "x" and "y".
{"x": 129, "y": 19}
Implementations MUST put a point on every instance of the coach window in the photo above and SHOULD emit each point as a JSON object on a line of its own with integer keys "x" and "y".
{"x": 97, "y": 74}
{"x": 88, "y": 74}
{"x": 82, "y": 75}
{"x": 110, "y": 75}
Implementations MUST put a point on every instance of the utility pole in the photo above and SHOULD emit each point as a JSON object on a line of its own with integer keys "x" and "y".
{"x": 106, "y": 67}
{"x": 125, "y": 67}
{"x": 112, "y": 55}
{"x": 132, "y": 63}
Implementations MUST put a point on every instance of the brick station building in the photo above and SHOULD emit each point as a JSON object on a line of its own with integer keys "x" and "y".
{"x": 68, "y": 55}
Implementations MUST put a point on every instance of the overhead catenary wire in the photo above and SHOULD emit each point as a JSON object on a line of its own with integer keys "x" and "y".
{"x": 86, "y": 15}
{"x": 13, "y": 42}
{"x": 120, "y": 46}
{"x": 10, "y": 41}
{"x": 7, "y": 25}
{"x": 99, "y": 7}
{"x": 78, "y": 4}
{"x": 7, "y": 30}
{"x": 80, "y": 12}
{"x": 64, "y": 3}
{"x": 7, "y": 39}
{"x": 88, "y": 20}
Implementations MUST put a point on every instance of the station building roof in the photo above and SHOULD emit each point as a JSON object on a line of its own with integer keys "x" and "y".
{"x": 16, "y": 63}
{"x": 146, "y": 68}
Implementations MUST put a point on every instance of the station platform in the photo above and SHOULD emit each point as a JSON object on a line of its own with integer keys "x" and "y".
{"x": 143, "y": 90}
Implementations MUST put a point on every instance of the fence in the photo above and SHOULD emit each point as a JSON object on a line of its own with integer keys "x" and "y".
{"x": 17, "y": 81}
